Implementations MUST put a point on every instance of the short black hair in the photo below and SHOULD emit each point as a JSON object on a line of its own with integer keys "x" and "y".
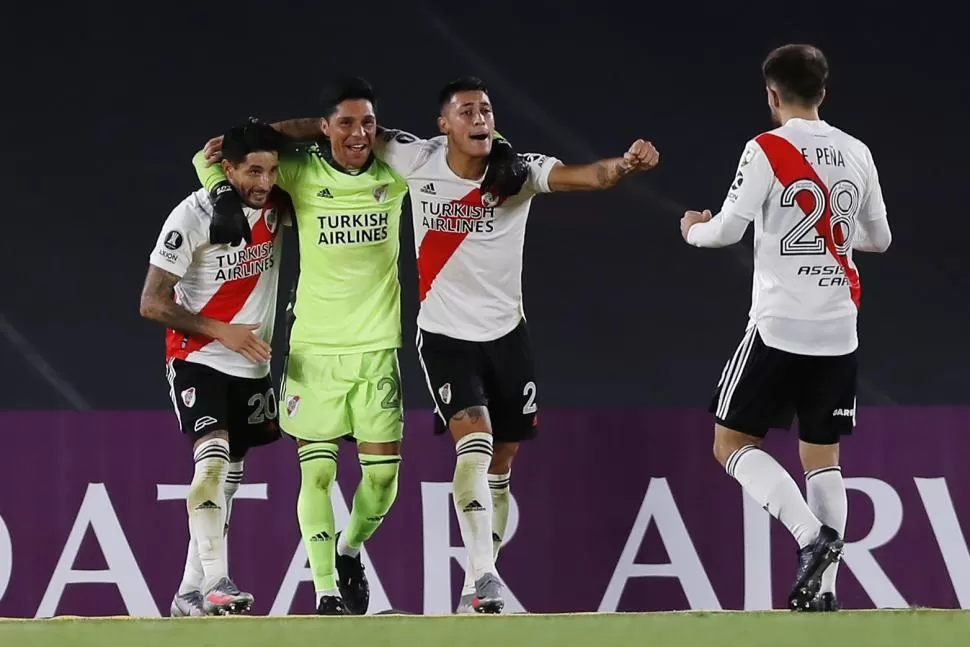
{"x": 349, "y": 88}
{"x": 251, "y": 137}
{"x": 463, "y": 84}
{"x": 798, "y": 72}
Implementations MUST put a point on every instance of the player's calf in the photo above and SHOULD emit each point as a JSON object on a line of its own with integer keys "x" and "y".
{"x": 379, "y": 465}
{"x": 472, "y": 432}
{"x": 206, "y": 504}
{"x": 826, "y": 496}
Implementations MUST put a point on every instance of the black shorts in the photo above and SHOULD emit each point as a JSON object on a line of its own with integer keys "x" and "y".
{"x": 498, "y": 374}
{"x": 764, "y": 388}
{"x": 208, "y": 400}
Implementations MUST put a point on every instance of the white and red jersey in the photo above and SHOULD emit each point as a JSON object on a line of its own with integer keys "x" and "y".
{"x": 234, "y": 284}
{"x": 811, "y": 190}
{"x": 469, "y": 250}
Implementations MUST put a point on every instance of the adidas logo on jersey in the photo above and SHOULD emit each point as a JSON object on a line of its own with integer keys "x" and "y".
{"x": 428, "y": 188}
{"x": 325, "y": 193}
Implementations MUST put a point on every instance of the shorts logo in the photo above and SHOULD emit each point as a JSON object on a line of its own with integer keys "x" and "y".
{"x": 292, "y": 405}
{"x": 204, "y": 422}
{"x": 445, "y": 393}
{"x": 188, "y": 396}
{"x": 844, "y": 413}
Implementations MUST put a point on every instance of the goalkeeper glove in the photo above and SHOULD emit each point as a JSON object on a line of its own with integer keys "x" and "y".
{"x": 229, "y": 224}
{"x": 506, "y": 173}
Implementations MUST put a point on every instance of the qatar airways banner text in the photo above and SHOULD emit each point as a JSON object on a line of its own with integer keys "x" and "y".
{"x": 614, "y": 510}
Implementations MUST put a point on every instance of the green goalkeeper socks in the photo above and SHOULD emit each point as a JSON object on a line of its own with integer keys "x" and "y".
{"x": 372, "y": 500}
{"x": 318, "y": 470}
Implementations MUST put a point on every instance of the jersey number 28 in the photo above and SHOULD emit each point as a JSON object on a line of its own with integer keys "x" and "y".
{"x": 843, "y": 201}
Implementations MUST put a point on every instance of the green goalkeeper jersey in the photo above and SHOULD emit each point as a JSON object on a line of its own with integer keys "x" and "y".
{"x": 348, "y": 296}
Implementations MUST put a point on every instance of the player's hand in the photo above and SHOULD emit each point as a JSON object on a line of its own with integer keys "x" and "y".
{"x": 240, "y": 338}
{"x": 229, "y": 224}
{"x": 691, "y": 218}
{"x": 641, "y": 156}
{"x": 506, "y": 173}
{"x": 213, "y": 151}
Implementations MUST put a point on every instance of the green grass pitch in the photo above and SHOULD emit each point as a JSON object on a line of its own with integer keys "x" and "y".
{"x": 909, "y": 628}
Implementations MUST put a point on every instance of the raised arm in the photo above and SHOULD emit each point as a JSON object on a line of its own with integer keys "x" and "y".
{"x": 604, "y": 174}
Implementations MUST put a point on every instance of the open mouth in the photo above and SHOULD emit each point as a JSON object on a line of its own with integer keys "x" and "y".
{"x": 357, "y": 148}
{"x": 482, "y": 137}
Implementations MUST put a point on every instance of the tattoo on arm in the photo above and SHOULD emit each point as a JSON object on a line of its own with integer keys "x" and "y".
{"x": 609, "y": 172}
{"x": 158, "y": 304}
{"x": 300, "y": 129}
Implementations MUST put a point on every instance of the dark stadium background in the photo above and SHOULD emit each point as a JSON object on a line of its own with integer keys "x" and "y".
{"x": 103, "y": 107}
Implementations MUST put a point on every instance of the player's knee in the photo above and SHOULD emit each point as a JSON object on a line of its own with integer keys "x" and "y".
{"x": 503, "y": 457}
{"x": 472, "y": 420}
{"x": 727, "y": 441}
{"x": 816, "y": 456}
{"x": 318, "y": 467}
{"x": 381, "y": 477}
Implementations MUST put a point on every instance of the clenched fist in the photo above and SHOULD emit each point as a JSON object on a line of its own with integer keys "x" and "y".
{"x": 641, "y": 156}
{"x": 691, "y": 218}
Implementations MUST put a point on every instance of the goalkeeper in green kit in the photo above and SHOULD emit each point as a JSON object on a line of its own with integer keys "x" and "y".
{"x": 341, "y": 377}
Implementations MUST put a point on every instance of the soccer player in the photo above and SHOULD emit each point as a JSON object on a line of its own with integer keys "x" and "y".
{"x": 219, "y": 305}
{"x": 473, "y": 341}
{"x": 342, "y": 377}
{"x": 813, "y": 194}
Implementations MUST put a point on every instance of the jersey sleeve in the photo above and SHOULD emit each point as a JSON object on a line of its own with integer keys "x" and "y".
{"x": 539, "y": 168}
{"x": 873, "y": 205}
{"x": 751, "y": 185}
{"x": 181, "y": 235}
{"x": 402, "y": 151}
{"x": 209, "y": 176}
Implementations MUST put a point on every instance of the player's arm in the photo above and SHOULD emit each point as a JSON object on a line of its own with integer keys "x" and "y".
{"x": 158, "y": 304}
{"x": 606, "y": 173}
{"x": 872, "y": 232}
{"x": 744, "y": 202}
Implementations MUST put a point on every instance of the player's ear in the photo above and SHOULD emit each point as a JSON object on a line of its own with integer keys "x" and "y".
{"x": 823, "y": 97}
{"x": 226, "y": 167}
{"x": 442, "y": 126}
{"x": 324, "y": 127}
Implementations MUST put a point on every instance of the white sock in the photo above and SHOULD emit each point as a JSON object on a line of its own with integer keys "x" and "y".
{"x": 206, "y": 504}
{"x": 826, "y": 497}
{"x": 233, "y": 481}
{"x": 343, "y": 548}
{"x": 498, "y": 485}
{"x": 192, "y": 576}
{"x": 774, "y": 489}
{"x": 473, "y": 503}
{"x": 334, "y": 593}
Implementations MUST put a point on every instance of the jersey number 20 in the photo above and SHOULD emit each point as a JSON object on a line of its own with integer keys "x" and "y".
{"x": 843, "y": 201}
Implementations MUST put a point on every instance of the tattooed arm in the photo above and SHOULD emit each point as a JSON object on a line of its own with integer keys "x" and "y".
{"x": 606, "y": 173}
{"x": 158, "y": 304}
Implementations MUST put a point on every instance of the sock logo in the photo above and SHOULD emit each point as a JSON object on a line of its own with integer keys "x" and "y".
{"x": 496, "y": 539}
{"x": 320, "y": 536}
{"x": 207, "y": 505}
{"x": 188, "y": 396}
{"x": 474, "y": 506}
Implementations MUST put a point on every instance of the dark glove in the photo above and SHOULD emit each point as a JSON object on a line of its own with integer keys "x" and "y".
{"x": 229, "y": 224}
{"x": 506, "y": 173}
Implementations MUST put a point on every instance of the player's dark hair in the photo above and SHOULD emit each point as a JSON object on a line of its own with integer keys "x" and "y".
{"x": 345, "y": 89}
{"x": 250, "y": 137}
{"x": 463, "y": 84}
{"x": 798, "y": 72}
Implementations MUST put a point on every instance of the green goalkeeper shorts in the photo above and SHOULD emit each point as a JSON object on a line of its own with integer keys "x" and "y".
{"x": 326, "y": 397}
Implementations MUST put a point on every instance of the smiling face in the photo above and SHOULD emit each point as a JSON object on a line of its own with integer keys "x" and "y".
{"x": 468, "y": 121}
{"x": 351, "y": 129}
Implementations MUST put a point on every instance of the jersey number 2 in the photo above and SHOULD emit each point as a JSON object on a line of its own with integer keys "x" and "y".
{"x": 843, "y": 201}
{"x": 530, "y": 393}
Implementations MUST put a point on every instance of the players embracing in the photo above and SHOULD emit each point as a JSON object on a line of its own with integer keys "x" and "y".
{"x": 473, "y": 341}
{"x": 218, "y": 303}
